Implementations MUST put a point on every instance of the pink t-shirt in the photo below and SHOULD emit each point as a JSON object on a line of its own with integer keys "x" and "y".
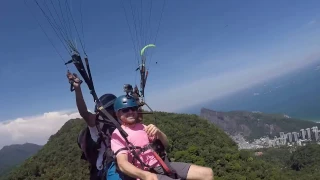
{"x": 138, "y": 137}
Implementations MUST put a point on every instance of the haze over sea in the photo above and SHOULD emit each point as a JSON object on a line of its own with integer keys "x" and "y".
{"x": 295, "y": 94}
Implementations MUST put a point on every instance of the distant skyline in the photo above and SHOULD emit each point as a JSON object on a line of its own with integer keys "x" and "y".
{"x": 205, "y": 51}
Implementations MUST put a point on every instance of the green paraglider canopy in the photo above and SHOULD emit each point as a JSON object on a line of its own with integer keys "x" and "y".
{"x": 144, "y": 48}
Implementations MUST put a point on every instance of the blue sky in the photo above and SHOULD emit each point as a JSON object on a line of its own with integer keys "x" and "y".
{"x": 219, "y": 47}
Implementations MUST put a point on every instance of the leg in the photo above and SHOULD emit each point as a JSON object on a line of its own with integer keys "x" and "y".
{"x": 191, "y": 171}
{"x": 200, "y": 173}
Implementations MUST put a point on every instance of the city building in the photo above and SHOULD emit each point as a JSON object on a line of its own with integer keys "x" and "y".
{"x": 289, "y": 137}
{"x": 285, "y": 139}
{"x": 303, "y": 134}
{"x": 295, "y": 136}
{"x": 308, "y": 133}
{"x": 315, "y": 131}
{"x": 281, "y": 134}
{"x": 299, "y": 143}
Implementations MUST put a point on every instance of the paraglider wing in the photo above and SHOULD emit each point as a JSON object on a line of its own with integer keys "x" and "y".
{"x": 144, "y": 48}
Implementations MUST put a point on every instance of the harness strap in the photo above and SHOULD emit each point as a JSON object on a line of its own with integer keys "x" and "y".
{"x": 107, "y": 129}
{"x": 121, "y": 149}
{"x": 164, "y": 163}
{"x": 83, "y": 144}
{"x": 134, "y": 154}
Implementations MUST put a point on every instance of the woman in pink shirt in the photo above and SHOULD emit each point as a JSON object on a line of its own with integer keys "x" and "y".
{"x": 140, "y": 135}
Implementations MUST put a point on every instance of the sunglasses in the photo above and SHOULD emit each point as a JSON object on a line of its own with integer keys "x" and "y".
{"x": 125, "y": 110}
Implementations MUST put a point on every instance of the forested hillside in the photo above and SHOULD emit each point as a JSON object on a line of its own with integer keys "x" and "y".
{"x": 13, "y": 155}
{"x": 192, "y": 139}
{"x": 296, "y": 162}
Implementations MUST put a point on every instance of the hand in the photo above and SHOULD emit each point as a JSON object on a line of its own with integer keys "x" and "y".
{"x": 74, "y": 79}
{"x": 150, "y": 176}
{"x": 151, "y": 130}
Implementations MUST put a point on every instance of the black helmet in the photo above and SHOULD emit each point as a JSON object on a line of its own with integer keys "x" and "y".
{"x": 107, "y": 101}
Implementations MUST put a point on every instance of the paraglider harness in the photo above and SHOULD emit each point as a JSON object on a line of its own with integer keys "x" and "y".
{"x": 156, "y": 147}
{"x": 90, "y": 150}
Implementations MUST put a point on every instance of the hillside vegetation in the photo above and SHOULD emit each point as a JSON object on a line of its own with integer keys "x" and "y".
{"x": 13, "y": 155}
{"x": 296, "y": 162}
{"x": 192, "y": 139}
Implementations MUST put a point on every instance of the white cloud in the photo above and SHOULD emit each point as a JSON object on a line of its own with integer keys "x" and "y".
{"x": 35, "y": 129}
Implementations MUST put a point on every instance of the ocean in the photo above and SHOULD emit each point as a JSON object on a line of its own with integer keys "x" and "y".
{"x": 295, "y": 94}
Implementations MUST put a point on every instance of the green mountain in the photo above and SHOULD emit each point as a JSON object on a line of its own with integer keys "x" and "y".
{"x": 253, "y": 125}
{"x": 192, "y": 139}
{"x": 12, "y": 155}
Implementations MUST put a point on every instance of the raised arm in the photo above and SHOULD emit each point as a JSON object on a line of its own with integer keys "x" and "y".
{"x": 81, "y": 105}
